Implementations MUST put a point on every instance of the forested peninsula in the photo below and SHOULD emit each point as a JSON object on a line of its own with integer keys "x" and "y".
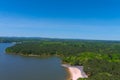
{"x": 101, "y": 59}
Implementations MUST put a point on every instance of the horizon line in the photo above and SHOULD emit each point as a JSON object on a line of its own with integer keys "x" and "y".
{"x": 57, "y": 38}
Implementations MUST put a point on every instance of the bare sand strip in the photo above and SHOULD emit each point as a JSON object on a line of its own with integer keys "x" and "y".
{"x": 76, "y": 72}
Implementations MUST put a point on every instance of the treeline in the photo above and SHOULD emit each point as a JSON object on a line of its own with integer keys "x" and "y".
{"x": 97, "y": 66}
{"x": 101, "y": 59}
{"x": 21, "y": 39}
{"x": 64, "y": 47}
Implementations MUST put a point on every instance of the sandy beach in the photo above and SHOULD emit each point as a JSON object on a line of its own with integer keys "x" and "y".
{"x": 76, "y": 72}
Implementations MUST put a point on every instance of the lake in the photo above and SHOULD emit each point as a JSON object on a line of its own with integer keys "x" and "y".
{"x": 15, "y": 67}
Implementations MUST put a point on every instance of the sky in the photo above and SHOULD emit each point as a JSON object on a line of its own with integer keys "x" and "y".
{"x": 76, "y": 19}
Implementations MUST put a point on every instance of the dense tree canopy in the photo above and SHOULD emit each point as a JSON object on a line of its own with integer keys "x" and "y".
{"x": 101, "y": 59}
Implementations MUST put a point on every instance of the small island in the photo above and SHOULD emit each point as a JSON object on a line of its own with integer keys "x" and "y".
{"x": 98, "y": 60}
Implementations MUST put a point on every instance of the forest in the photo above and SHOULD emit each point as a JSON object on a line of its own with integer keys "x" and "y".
{"x": 101, "y": 59}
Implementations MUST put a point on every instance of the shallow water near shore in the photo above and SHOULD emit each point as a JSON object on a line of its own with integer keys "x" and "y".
{"x": 15, "y": 67}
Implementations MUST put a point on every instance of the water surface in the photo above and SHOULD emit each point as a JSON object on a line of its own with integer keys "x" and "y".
{"x": 15, "y": 67}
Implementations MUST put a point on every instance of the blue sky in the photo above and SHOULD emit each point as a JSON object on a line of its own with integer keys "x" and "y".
{"x": 77, "y": 19}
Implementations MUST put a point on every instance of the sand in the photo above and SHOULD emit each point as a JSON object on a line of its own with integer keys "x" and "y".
{"x": 76, "y": 72}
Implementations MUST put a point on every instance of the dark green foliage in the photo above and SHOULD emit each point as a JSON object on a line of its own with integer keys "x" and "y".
{"x": 97, "y": 66}
{"x": 67, "y": 47}
{"x": 101, "y": 59}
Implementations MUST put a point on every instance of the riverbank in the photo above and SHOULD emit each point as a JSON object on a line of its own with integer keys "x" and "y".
{"x": 75, "y": 72}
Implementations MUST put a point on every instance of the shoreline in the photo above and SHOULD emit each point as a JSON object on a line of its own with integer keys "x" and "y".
{"x": 69, "y": 75}
{"x": 75, "y": 72}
